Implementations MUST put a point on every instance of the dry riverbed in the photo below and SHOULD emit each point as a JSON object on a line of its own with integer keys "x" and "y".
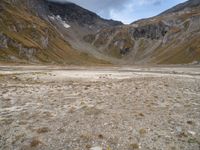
{"x": 55, "y": 108}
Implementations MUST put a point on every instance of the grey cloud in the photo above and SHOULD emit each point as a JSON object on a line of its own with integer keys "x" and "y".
{"x": 105, "y": 8}
{"x": 158, "y": 2}
{"x": 101, "y": 7}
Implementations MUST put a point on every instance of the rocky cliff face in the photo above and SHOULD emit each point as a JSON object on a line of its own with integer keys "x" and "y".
{"x": 170, "y": 38}
{"x": 22, "y": 51}
{"x": 150, "y": 31}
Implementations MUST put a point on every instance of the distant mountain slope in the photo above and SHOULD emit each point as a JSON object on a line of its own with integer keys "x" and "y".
{"x": 170, "y": 38}
{"x": 25, "y": 37}
{"x": 183, "y": 6}
{"x": 74, "y": 22}
{"x": 73, "y": 13}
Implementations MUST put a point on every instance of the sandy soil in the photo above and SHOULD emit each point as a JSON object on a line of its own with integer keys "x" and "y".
{"x": 62, "y": 108}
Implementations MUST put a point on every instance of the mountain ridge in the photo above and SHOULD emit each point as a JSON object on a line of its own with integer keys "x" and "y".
{"x": 79, "y": 14}
{"x": 27, "y": 38}
{"x": 172, "y": 38}
{"x": 44, "y": 31}
{"x": 182, "y": 6}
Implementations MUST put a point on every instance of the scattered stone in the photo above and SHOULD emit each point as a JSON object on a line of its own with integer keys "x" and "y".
{"x": 72, "y": 109}
{"x": 96, "y": 148}
{"x": 182, "y": 134}
{"x": 88, "y": 146}
{"x": 166, "y": 85}
{"x": 178, "y": 129}
{"x": 87, "y": 87}
{"x": 191, "y": 132}
{"x": 61, "y": 130}
{"x": 15, "y": 78}
{"x": 141, "y": 114}
{"x": 99, "y": 117}
{"x": 100, "y": 136}
{"x": 189, "y": 122}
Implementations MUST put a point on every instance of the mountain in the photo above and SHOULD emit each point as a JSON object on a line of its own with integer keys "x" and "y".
{"x": 28, "y": 32}
{"x": 74, "y": 23}
{"x": 42, "y": 31}
{"x": 173, "y": 37}
{"x": 183, "y": 6}
{"x": 73, "y": 13}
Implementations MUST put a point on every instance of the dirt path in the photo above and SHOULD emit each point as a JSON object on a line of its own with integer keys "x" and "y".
{"x": 99, "y": 108}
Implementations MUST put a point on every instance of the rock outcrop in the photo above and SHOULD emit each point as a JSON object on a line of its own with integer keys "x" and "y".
{"x": 151, "y": 31}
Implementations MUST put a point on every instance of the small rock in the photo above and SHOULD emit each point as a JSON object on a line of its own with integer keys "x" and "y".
{"x": 141, "y": 114}
{"x": 15, "y": 78}
{"x": 189, "y": 122}
{"x": 100, "y": 136}
{"x": 88, "y": 146}
{"x": 178, "y": 129}
{"x": 96, "y": 148}
{"x": 191, "y": 132}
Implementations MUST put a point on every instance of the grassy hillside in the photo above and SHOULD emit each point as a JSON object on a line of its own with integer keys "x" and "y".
{"x": 24, "y": 37}
{"x": 172, "y": 38}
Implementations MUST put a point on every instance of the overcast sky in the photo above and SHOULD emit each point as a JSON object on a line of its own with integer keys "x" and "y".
{"x": 126, "y": 11}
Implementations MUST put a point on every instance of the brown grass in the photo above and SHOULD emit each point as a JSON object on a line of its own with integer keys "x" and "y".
{"x": 58, "y": 50}
{"x": 43, "y": 130}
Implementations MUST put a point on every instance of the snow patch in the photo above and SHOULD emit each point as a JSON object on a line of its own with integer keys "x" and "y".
{"x": 52, "y": 17}
{"x": 65, "y": 25}
{"x": 59, "y": 19}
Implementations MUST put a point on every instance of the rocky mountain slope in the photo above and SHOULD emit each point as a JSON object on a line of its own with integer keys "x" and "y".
{"x": 74, "y": 14}
{"x": 28, "y": 35}
{"x": 190, "y": 4}
{"x": 74, "y": 23}
{"x": 172, "y": 37}
{"x": 43, "y": 31}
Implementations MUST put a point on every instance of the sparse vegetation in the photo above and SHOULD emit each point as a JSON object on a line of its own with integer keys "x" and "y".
{"x": 53, "y": 110}
{"x": 35, "y": 143}
{"x": 43, "y": 130}
{"x": 26, "y": 30}
{"x": 45, "y": 106}
{"x": 134, "y": 146}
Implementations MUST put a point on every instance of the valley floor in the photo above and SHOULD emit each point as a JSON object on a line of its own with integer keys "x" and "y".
{"x": 116, "y": 108}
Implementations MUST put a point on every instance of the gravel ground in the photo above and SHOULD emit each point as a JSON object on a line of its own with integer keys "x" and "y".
{"x": 52, "y": 108}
